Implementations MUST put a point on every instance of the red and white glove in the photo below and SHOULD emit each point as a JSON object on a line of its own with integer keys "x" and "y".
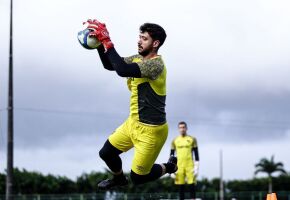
{"x": 99, "y": 31}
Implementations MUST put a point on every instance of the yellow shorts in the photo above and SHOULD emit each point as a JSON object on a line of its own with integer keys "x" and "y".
{"x": 147, "y": 140}
{"x": 185, "y": 175}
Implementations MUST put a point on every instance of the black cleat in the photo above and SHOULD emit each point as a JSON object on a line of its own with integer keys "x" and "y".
{"x": 110, "y": 183}
{"x": 172, "y": 162}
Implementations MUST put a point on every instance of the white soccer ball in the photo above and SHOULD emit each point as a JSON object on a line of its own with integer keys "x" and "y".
{"x": 86, "y": 41}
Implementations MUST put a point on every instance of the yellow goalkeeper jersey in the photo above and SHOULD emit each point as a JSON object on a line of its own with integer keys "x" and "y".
{"x": 148, "y": 93}
{"x": 183, "y": 146}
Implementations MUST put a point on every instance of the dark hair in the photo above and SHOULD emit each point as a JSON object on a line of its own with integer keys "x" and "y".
{"x": 182, "y": 122}
{"x": 155, "y": 31}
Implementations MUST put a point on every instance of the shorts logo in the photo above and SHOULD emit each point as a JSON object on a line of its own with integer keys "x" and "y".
{"x": 140, "y": 168}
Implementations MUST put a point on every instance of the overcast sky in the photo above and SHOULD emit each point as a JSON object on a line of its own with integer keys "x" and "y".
{"x": 228, "y": 69}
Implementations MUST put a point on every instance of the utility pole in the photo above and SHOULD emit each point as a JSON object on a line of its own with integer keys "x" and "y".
{"x": 9, "y": 177}
{"x": 221, "y": 176}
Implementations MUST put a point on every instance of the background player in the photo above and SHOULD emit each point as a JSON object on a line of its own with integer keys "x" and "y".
{"x": 146, "y": 128}
{"x": 185, "y": 145}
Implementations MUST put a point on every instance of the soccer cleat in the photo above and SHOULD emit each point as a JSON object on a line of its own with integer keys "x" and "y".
{"x": 109, "y": 183}
{"x": 171, "y": 165}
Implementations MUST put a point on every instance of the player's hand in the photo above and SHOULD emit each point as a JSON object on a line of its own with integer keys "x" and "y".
{"x": 196, "y": 168}
{"x": 100, "y": 31}
{"x": 92, "y": 24}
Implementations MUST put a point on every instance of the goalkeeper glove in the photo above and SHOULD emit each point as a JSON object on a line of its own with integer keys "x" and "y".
{"x": 100, "y": 31}
{"x": 196, "y": 168}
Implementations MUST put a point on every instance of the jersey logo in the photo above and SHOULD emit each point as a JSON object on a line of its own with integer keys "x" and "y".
{"x": 183, "y": 146}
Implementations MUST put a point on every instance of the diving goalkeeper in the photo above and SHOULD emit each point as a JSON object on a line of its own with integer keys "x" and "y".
{"x": 146, "y": 128}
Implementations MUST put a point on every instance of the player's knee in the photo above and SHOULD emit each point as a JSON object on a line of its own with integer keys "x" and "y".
{"x": 108, "y": 151}
{"x": 137, "y": 179}
{"x": 103, "y": 153}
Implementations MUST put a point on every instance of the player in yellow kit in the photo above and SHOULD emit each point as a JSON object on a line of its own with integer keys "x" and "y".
{"x": 185, "y": 146}
{"x": 146, "y": 128}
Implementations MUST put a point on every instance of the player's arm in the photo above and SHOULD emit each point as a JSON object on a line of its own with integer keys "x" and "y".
{"x": 172, "y": 150}
{"x": 195, "y": 152}
{"x": 195, "y": 149}
{"x": 196, "y": 157}
{"x": 150, "y": 69}
{"x": 105, "y": 61}
{"x": 122, "y": 68}
{"x": 109, "y": 56}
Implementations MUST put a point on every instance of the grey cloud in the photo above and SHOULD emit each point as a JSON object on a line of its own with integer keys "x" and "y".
{"x": 250, "y": 116}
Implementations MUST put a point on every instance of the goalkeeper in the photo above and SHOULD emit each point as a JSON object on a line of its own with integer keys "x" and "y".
{"x": 146, "y": 128}
{"x": 185, "y": 146}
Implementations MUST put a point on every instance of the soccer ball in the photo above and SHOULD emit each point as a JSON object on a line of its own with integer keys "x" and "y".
{"x": 86, "y": 41}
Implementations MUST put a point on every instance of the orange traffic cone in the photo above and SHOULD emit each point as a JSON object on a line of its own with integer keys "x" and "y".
{"x": 273, "y": 196}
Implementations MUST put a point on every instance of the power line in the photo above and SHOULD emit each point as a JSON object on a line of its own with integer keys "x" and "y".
{"x": 247, "y": 123}
{"x": 94, "y": 114}
{"x": 273, "y": 124}
{"x": 54, "y": 111}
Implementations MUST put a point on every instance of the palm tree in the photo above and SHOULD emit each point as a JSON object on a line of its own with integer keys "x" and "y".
{"x": 269, "y": 167}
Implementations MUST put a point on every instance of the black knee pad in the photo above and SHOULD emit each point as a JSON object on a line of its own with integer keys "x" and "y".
{"x": 108, "y": 150}
{"x": 103, "y": 153}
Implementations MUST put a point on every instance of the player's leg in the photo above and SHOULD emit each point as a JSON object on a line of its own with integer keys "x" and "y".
{"x": 117, "y": 143}
{"x": 181, "y": 191}
{"x": 192, "y": 191}
{"x": 180, "y": 181}
{"x": 110, "y": 155}
{"x": 191, "y": 181}
{"x": 148, "y": 142}
{"x": 155, "y": 173}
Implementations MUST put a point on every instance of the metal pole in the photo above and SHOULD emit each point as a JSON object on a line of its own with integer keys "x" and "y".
{"x": 221, "y": 176}
{"x": 9, "y": 177}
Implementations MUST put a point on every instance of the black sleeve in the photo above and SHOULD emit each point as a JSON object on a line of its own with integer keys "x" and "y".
{"x": 195, "y": 150}
{"x": 120, "y": 66}
{"x": 172, "y": 151}
{"x": 106, "y": 63}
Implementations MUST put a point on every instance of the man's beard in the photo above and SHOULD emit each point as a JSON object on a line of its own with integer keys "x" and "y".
{"x": 145, "y": 52}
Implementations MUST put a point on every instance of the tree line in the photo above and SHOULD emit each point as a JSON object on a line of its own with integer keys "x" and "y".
{"x": 26, "y": 182}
